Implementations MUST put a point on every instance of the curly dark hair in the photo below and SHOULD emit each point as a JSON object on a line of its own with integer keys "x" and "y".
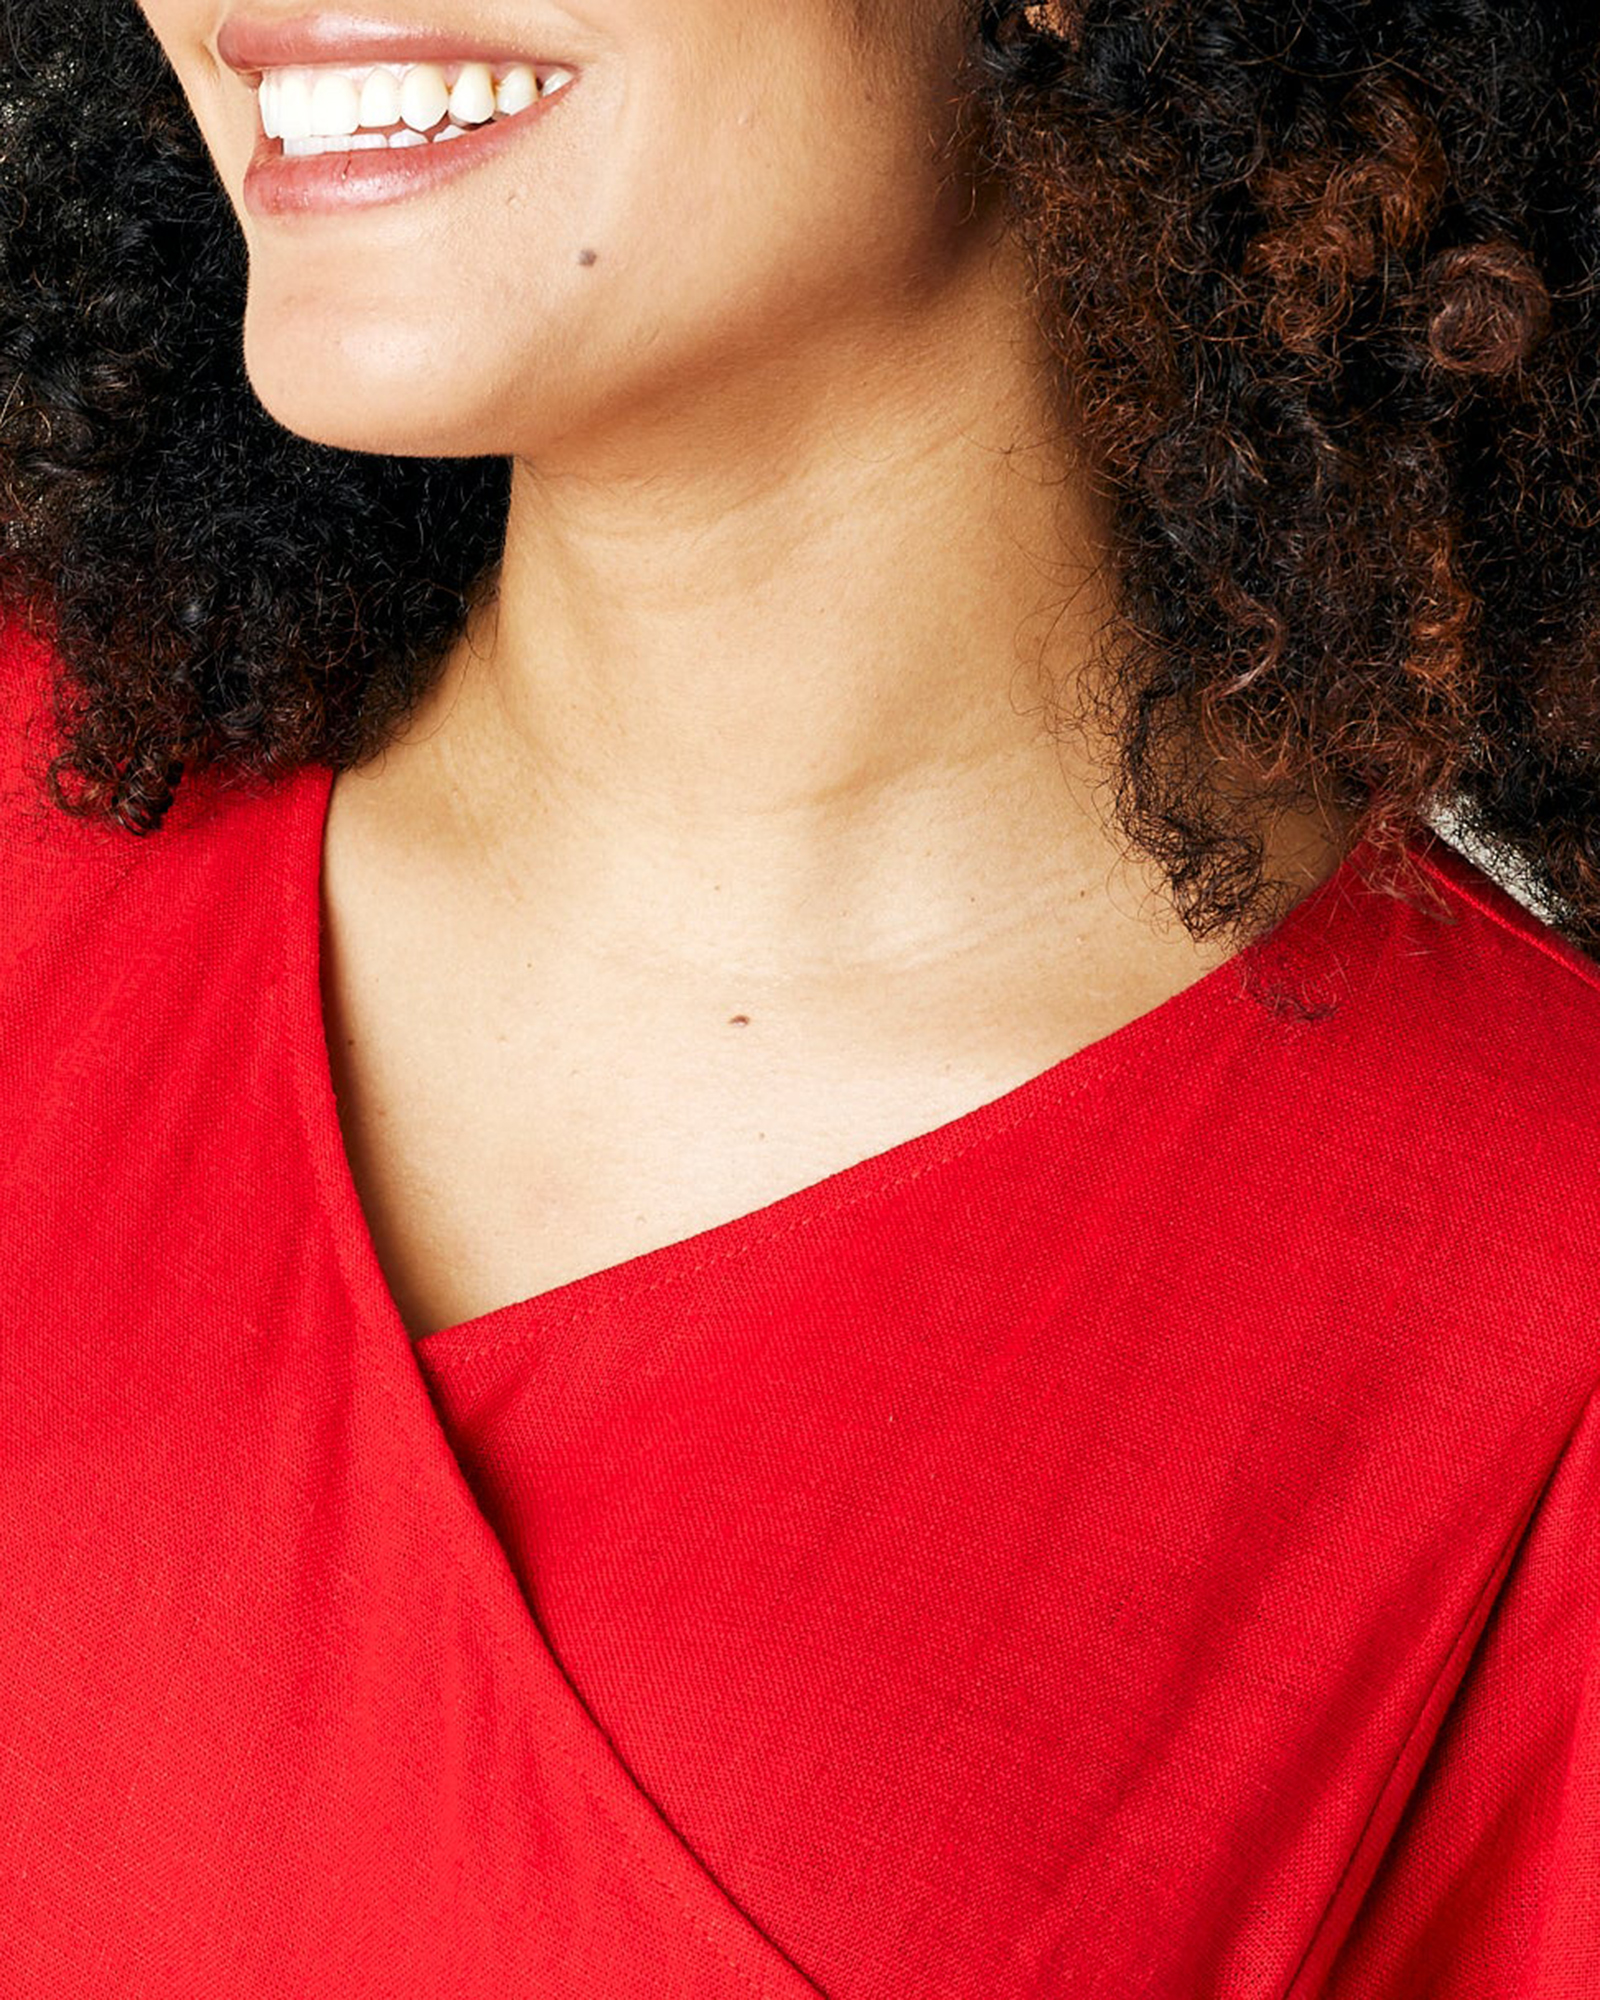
{"x": 1322, "y": 281}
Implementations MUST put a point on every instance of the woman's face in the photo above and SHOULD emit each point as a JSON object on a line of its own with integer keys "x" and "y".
{"x": 730, "y": 193}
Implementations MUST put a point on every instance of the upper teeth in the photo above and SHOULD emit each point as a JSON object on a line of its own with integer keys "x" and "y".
{"x": 327, "y": 103}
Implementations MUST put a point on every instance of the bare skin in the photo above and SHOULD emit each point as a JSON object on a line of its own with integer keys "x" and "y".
{"x": 533, "y": 1090}
{"x": 733, "y": 844}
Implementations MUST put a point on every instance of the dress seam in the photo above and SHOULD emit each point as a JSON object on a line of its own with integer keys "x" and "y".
{"x": 1553, "y": 946}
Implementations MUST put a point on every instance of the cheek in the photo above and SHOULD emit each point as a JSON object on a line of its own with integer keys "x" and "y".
{"x": 776, "y": 166}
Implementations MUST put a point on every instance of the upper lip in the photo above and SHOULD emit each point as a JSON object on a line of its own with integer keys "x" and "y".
{"x": 251, "y": 43}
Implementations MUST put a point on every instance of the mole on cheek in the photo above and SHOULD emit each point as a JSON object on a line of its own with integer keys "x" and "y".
{"x": 587, "y": 256}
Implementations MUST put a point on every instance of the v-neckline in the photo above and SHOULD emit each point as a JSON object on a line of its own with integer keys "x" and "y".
{"x": 303, "y": 931}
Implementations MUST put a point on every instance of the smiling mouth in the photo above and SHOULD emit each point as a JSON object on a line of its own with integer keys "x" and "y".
{"x": 307, "y": 111}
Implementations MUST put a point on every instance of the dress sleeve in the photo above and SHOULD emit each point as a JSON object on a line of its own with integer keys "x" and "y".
{"x": 1490, "y": 1887}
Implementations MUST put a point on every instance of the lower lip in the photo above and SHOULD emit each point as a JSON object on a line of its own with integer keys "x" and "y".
{"x": 327, "y": 183}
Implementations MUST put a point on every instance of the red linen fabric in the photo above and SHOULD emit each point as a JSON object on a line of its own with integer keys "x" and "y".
{"x": 1139, "y": 1539}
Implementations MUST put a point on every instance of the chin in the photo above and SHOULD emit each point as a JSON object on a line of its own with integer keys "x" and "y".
{"x": 380, "y": 394}
{"x": 350, "y": 425}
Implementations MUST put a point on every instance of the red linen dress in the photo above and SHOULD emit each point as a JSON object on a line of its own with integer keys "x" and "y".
{"x": 1138, "y": 1541}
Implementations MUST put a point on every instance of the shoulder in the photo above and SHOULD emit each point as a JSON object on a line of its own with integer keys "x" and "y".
{"x": 50, "y": 863}
{"x": 1495, "y": 993}
{"x": 1440, "y": 1060}
{"x": 79, "y": 896}
{"x": 1423, "y": 968}
{"x": 1524, "y": 950}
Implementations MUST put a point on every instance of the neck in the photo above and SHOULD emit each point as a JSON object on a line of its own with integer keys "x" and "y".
{"x": 795, "y": 649}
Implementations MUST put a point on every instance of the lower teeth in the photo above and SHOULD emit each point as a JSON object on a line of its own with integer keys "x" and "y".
{"x": 366, "y": 142}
